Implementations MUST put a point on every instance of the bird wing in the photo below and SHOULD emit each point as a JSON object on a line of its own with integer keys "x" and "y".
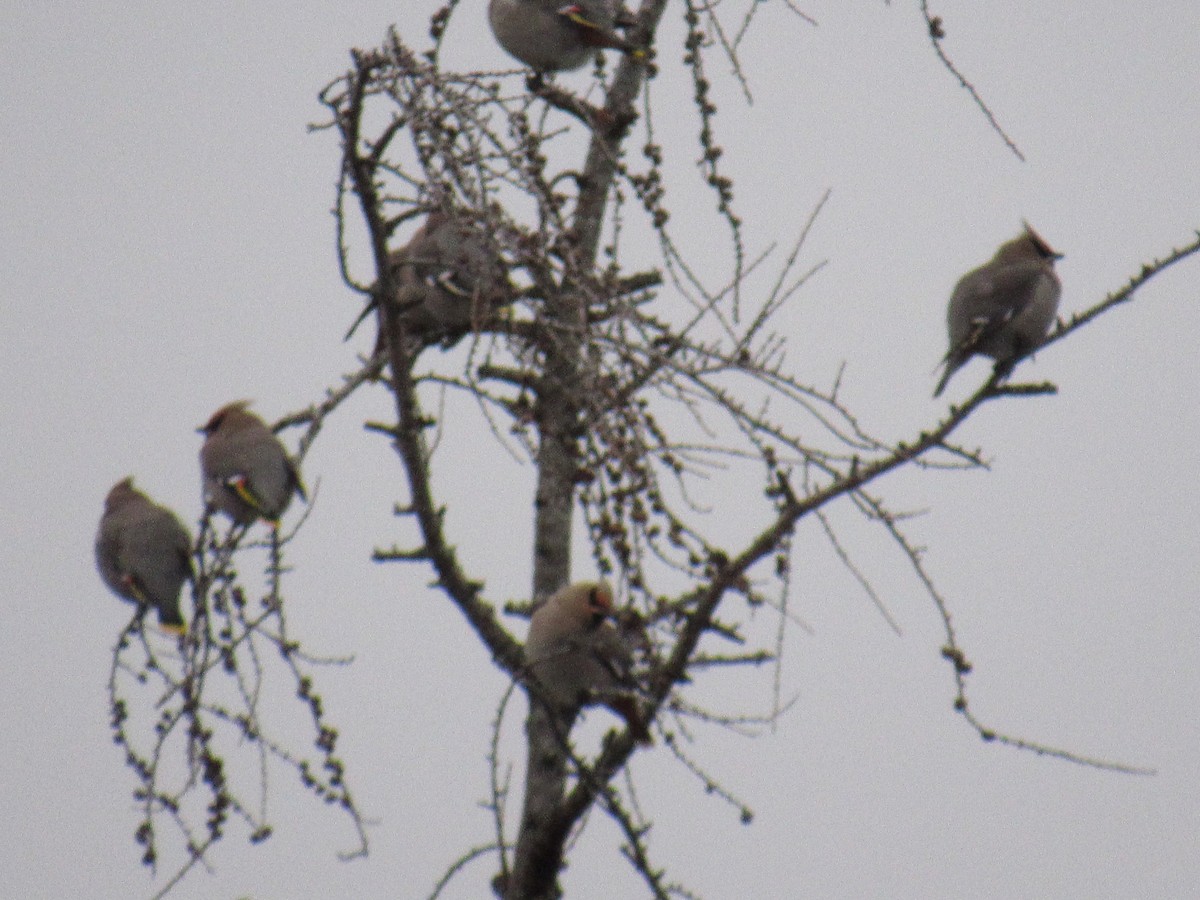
{"x": 240, "y": 485}
{"x": 591, "y": 32}
{"x": 988, "y": 300}
{"x": 609, "y": 650}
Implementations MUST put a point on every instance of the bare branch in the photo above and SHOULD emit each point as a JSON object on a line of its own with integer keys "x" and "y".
{"x": 937, "y": 33}
{"x": 1148, "y": 271}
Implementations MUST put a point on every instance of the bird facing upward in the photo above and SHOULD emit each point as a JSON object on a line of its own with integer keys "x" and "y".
{"x": 247, "y": 473}
{"x": 1003, "y": 309}
{"x": 144, "y": 552}
{"x": 579, "y": 658}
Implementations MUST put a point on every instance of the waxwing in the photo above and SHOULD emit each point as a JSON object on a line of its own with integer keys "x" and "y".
{"x": 449, "y": 277}
{"x": 143, "y": 552}
{"x": 247, "y": 473}
{"x": 557, "y": 35}
{"x": 1005, "y": 308}
{"x": 578, "y": 657}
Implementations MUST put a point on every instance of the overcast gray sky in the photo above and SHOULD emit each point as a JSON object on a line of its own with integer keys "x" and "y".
{"x": 168, "y": 247}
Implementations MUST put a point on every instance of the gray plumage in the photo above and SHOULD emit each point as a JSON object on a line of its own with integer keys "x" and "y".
{"x": 1003, "y": 309}
{"x": 449, "y": 278}
{"x": 579, "y": 658}
{"x": 143, "y": 552}
{"x": 247, "y": 473}
{"x": 556, "y": 35}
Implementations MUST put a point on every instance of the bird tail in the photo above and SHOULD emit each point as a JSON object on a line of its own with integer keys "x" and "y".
{"x": 178, "y": 629}
{"x": 941, "y": 385}
{"x": 628, "y": 709}
{"x": 297, "y": 481}
{"x": 953, "y": 364}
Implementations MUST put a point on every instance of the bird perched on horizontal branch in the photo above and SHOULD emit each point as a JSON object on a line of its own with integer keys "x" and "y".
{"x": 577, "y": 657}
{"x": 1003, "y": 309}
{"x": 144, "y": 553}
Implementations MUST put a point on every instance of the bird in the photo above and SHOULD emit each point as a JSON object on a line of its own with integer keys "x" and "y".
{"x": 558, "y": 35}
{"x": 578, "y": 657}
{"x": 144, "y": 553}
{"x": 448, "y": 278}
{"x": 1004, "y": 308}
{"x": 247, "y": 474}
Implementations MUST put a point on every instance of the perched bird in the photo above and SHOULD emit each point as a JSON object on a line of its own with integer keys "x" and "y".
{"x": 144, "y": 552}
{"x": 1005, "y": 308}
{"x": 247, "y": 473}
{"x": 557, "y": 35}
{"x": 579, "y": 658}
{"x": 449, "y": 276}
